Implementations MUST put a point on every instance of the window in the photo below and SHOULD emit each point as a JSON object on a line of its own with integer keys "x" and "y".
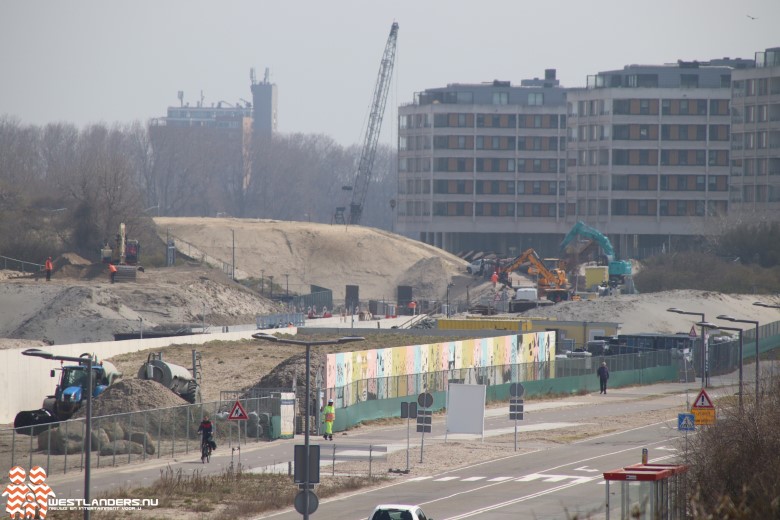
{"x": 536, "y": 99}
{"x": 501, "y": 98}
{"x": 644, "y": 107}
{"x": 537, "y": 121}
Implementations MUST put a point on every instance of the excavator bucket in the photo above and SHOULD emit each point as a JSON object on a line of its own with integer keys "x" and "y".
{"x": 33, "y": 422}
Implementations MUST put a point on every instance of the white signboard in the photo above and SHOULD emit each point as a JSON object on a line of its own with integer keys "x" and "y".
{"x": 466, "y": 409}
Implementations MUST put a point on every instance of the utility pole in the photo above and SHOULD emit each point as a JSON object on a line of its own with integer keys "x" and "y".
{"x": 233, "y": 267}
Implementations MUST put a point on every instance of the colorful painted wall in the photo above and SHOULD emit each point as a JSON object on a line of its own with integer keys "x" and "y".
{"x": 345, "y": 368}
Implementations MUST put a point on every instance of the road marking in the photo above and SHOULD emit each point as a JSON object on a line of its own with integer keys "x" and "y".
{"x": 500, "y": 479}
{"x": 472, "y": 479}
{"x": 518, "y": 500}
{"x": 586, "y": 468}
{"x": 553, "y": 478}
{"x": 445, "y": 479}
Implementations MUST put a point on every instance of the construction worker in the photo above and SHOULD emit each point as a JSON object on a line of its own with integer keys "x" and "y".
{"x": 49, "y": 268}
{"x": 494, "y": 278}
{"x": 329, "y": 415}
{"x": 112, "y": 272}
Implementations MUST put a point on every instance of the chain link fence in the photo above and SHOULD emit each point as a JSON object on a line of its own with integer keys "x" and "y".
{"x": 135, "y": 436}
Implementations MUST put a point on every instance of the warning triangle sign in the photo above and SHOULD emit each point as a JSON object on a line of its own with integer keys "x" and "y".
{"x": 692, "y": 333}
{"x": 687, "y": 423}
{"x": 238, "y": 413}
{"x": 702, "y": 400}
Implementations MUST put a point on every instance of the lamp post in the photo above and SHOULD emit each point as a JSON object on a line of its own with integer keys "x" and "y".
{"x": 308, "y": 344}
{"x": 262, "y": 281}
{"x": 88, "y": 429}
{"x": 735, "y": 329}
{"x": 753, "y": 322}
{"x": 705, "y": 377}
{"x": 287, "y": 281}
{"x": 448, "y": 297}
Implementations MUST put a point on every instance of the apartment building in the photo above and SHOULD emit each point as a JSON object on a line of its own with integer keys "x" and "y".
{"x": 482, "y": 166}
{"x": 648, "y": 159}
{"x": 755, "y": 138}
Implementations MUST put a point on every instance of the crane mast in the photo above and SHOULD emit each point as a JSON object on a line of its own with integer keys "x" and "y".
{"x": 373, "y": 128}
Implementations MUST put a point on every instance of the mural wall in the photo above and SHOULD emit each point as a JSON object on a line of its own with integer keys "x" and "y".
{"x": 532, "y": 349}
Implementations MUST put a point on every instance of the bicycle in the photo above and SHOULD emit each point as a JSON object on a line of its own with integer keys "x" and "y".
{"x": 205, "y": 451}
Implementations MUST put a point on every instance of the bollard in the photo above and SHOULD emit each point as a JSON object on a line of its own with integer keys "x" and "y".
{"x": 644, "y": 455}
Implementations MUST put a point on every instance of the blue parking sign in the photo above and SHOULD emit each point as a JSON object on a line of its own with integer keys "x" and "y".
{"x": 686, "y": 422}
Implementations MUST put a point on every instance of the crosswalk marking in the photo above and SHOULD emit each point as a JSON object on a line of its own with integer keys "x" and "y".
{"x": 500, "y": 479}
{"x": 446, "y": 479}
{"x": 472, "y": 479}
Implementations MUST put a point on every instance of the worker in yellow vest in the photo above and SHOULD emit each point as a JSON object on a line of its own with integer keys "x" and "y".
{"x": 329, "y": 415}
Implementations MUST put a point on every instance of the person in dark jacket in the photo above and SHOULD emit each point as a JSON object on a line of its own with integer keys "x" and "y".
{"x": 603, "y": 373}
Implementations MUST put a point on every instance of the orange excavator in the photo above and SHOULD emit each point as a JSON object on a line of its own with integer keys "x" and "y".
{"x": 552, "y": 283}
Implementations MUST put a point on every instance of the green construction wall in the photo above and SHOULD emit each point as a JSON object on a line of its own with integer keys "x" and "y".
{"x": 385, "y": 408}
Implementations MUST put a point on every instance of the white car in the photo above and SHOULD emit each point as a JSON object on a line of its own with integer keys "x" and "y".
{"x": 476, "y": 267}
{"x": 398, "y": 512}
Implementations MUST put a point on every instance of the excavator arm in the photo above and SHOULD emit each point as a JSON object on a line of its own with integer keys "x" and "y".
{"x": 583, "y": 230}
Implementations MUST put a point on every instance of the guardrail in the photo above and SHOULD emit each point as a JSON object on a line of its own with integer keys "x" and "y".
{"x": 14, "y": 264}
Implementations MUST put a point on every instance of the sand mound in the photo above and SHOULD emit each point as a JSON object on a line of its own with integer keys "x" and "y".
{"x": 300, "y": 254}
{"x": 133, "y": 395}
{"x": 292, "y": 368}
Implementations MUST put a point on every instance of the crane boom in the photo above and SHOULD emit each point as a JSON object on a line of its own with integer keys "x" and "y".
{"x": 373, "y": 128}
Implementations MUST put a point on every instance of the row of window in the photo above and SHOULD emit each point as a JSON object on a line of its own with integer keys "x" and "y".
{"x": 468, "y": 120}
{"x": 649, "y": 106}
{"x": 505, "y": 143}
{"x": 622, "y": 207}
{"x": 467, "y": 187}
{"x": 467, "y": 164}
{"x": 628, "y": 157}
{"x": 652, "y": 207}
{"x": 669, "y": 182}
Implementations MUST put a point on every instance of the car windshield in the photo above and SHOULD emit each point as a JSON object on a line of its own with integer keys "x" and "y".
{"x": 392, "y": 513}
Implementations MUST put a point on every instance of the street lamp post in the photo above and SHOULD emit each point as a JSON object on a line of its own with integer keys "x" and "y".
{"x": 705, "y": 376}
{"x": 448, "y": 297}
{"x": 758, "y": 353}
{"x": 88, "y": 428}
{"x": 308, "y": 344}
{"x": 735, "y": 329}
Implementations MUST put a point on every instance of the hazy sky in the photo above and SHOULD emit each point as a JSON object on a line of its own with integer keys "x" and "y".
{"x": 88, "y": 61}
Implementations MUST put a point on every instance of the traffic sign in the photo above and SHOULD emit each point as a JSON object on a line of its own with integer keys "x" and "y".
{"x": 300, "y": 502}
{"x": 237, "y": 413}
{"x": 686, "y": 422}
{"x": 704, "y": 416}
{"x": 692, "y": 333}
{"x": 516, "y": 390}
{"x": 703, "y": 400}
{"x": 425, "y": 400}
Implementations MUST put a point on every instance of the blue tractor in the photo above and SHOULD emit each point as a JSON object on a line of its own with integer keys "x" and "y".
{"x": 70, "y": 394}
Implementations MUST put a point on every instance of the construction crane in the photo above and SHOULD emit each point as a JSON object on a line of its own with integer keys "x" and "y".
{"x": 368, "y": 153}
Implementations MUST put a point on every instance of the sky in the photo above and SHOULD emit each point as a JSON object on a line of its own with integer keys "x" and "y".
{"x": 97, "y": 61}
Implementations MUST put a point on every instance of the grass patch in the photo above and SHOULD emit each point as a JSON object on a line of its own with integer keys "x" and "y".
{"x": 230, "y": 494}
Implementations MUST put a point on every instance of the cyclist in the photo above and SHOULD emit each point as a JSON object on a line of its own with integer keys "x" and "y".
{"x": 206, "y": 429}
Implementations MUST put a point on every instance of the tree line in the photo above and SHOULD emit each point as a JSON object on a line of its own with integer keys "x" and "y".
{"x": 64, "y": 188}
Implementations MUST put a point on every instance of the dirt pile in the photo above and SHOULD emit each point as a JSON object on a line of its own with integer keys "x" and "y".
{"x": 289, "y": 370}
{"x": 133, "y": 395}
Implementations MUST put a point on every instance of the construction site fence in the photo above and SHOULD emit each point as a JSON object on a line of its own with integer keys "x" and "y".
{"x": 14, "y": 264}
{"x": 134, "y": 437}
{"x": 280, "y": 320}
{"x": 377, "y": 398}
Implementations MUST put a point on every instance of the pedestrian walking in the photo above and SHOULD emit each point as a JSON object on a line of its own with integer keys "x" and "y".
{"x": 49, "y": 268}
{"x": 112, "y": 272}
{"x": 603, "y": 373}
{"x": 494, "y": 278}
{"x": 329, "y": 413}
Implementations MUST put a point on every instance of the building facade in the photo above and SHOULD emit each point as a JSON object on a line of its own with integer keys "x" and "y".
{"x": 645, "y": 154}
{"x": 755, "y": 138}
{"x": 648, "y": 153}
{"x": 482, "y": 166}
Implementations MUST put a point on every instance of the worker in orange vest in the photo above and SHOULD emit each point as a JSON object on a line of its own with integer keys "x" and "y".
{"x": 49, "y": 268}
{"x": 112, "y": 272}
{"x": 494, "y": 278}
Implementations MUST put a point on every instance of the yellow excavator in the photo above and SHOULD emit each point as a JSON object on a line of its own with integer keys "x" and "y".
{"x": 124, "y": 255}
{"x": 552, "y": 283}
